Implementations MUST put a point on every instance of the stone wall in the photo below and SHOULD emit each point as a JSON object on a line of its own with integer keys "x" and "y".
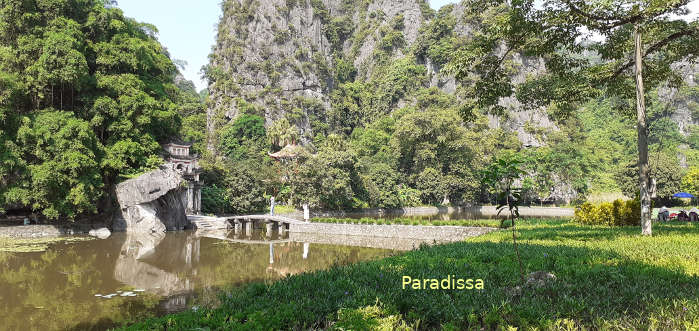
{"x": 440, "y": 233}
{"x": 401, "y": 244}
{"x": 46, "y": 230}
{"x": 473, "y": 212}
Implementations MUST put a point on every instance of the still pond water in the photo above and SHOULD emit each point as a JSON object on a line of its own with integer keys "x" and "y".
{"x": 147, "y": 275}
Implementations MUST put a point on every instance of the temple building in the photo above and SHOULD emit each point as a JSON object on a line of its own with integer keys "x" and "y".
{"x": 188, "y": 166}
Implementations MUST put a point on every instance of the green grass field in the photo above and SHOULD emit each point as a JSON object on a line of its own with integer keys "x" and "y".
{"x": 607, "y": 278}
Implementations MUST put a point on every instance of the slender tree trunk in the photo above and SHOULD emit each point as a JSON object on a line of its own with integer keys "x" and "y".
{"x": 514, "y": 240}
{"x": 643, "y": 169}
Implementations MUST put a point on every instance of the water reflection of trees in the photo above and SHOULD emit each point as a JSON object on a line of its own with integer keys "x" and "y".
{"x": 252, "y": 263}
{"x": 55, "y": 289}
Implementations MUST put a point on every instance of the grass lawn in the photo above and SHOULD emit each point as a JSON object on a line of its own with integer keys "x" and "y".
{"x": 607, "y": 278}
{"x": 408, "y": 221}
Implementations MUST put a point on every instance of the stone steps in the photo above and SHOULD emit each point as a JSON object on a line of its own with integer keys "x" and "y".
{"x": 210, "y": 224}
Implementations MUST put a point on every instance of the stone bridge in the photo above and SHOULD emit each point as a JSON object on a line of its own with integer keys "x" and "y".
{"x": 237, "y": 222}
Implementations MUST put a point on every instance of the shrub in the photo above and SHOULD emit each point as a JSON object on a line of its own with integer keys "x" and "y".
{"x": 617, "y": 213}
{"x": 214, "y": 200}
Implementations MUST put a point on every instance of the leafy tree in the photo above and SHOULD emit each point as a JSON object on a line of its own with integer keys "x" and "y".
{"x": 644, "y": 32}
{"x": 436, "y": 40}
{"x": 640, "y": 35}
{"x": 431, "y": 184}
{"x": 214, "y": 200}
{"x": 382, "y": 184}
{"x": 282, "y": 133}
{"x": 86, "y": 96}
{"x": 244, "y": 189}
{"x": 63, "y": 176}
{"x": 501, "y": 175}
{"x": 243, "y": 138}
{"x": 329, "y": 178}
{"x": 690, "y": 182}
{"x": 435, "y": 138}
{"x": 664, "y": 169}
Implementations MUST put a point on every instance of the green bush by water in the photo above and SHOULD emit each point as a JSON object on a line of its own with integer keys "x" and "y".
{"x": 617, "y": 213}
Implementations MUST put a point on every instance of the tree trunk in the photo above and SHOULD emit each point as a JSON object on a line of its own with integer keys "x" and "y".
{"x": 445, "y": 201}
{"x": 643, "y": 169}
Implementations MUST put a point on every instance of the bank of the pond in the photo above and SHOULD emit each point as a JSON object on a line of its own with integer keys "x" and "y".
{"x": 492, "y": 223}
{"x": 429, "y": 233}
{"x": 48, "y": 230}
{"x": 468, "y": 212}
{"x": 606, "y": 278}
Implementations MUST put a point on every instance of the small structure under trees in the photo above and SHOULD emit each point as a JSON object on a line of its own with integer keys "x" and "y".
{"x": 188, "y": 166}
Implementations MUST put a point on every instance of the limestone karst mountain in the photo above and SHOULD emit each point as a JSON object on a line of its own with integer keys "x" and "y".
{"x": 333, "y": 65}
{"x": 286, "y": 58}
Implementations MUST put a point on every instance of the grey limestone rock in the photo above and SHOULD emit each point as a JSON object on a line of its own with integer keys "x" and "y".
{"x": 153, "y": 202}
{"x": 101, "y": 233}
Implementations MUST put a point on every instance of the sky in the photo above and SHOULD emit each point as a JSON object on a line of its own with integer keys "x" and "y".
{"x": 188, "y": 28}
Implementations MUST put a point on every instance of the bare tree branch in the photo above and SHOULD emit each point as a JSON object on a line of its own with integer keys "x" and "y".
{"x": 616, "y": 21}
{"x": 655, "y": 47}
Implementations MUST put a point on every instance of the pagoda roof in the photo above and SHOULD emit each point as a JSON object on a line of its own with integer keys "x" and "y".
{"x": 178, "y": 142}
{"x": 288, "y": 152}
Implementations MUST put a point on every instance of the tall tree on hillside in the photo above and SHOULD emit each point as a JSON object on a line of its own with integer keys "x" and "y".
{"x": 640, "y": 42}
{"x": 86, "y": 95}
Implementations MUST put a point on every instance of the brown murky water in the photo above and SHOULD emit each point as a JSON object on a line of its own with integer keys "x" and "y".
{"x": 148, "y": 275}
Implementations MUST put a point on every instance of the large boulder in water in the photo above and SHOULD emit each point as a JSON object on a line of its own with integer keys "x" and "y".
{"x": 153, "y": 202}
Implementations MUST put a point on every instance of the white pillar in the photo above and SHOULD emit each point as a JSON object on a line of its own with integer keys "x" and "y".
{"x": 248, "y": 228}
{"x": 197, "y": 199}
{"x": 270, "y": 229}
{"x": 271, "y": 253}
{"x": 188, "y": 254}
{"x": 190, "y": 197}
{"x": 306, "y": 212}
{"x": 271, "y": 206}
{"x": 305, "y": 250}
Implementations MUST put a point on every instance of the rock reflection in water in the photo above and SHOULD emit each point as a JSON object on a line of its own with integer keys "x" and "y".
{"x": 131, "y": 270}
{"x": 55, "y": 290}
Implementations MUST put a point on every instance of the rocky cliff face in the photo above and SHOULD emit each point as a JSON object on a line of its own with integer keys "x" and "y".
{"x": 281, "y": 56}
{"x": 277, "y": 57}
{"x": 152, "y": 202}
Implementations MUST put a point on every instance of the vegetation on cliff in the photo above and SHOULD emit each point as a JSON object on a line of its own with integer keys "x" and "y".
{"x": 386, "y": 126}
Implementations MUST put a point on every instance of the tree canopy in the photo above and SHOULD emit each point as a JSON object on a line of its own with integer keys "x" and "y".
{"x": 87, "y": 96}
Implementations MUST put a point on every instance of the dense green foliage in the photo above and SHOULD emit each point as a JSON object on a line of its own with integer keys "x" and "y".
{"x": 690, "y": 183}
{"x": 86, "y": 97}
{"x": 601, "y": 272}
{"x": 617, "y": 213}
{"x": 386, "y": 135}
